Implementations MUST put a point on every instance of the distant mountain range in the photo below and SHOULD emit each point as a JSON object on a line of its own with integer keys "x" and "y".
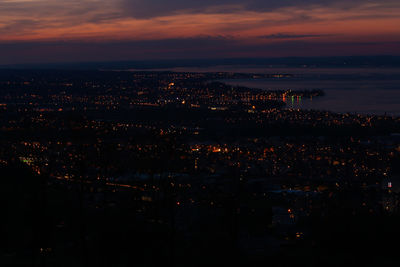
{"x": 353, "y": 61}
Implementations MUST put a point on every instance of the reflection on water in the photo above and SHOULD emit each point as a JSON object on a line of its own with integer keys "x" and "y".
{"x": 365, "y": 92}
{"x": 372, "y": 98}
{"x": 355, "y": 90}
{"x": 294, "y": 102}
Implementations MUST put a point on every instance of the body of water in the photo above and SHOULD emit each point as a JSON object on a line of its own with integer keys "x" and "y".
{"x": 355, "y": 90}
{"x": 369, "y": 96}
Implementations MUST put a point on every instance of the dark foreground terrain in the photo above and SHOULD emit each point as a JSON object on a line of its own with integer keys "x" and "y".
{"x": 173, "y": 169}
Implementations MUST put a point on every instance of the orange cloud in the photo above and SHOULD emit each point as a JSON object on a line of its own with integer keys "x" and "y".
{"x": 99, "y": 21}
{"x": 358, "y": 23}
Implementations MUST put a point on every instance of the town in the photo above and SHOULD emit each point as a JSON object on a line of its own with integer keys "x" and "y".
{"x": 189, "y": 166}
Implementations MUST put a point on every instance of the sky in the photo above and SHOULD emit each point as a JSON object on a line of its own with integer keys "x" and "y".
{"x": 41, "y": 31}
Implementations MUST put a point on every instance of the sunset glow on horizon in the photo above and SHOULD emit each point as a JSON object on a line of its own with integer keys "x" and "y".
{"x": 225, "y": 28}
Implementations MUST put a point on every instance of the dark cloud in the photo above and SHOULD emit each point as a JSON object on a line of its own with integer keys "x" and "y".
{"x": 280, "y": 36}
{"x": 77, "y": 51}
{"x": 22, "y": 16}
{"x": 56, "y": 13}
{"x": 186, "y": 48}
{"x": 154, "y": 8}
{"x": 95, "y": 21}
